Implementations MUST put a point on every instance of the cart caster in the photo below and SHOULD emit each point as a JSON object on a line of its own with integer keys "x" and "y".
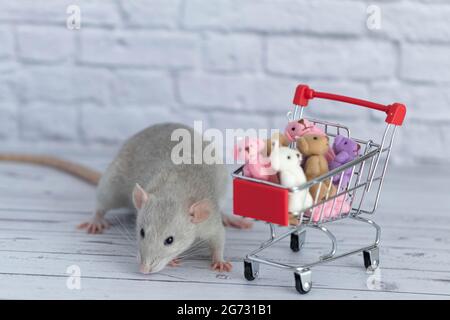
{"x": 371, "y": 258}
{"x": 297, "y": 240}
{"x": 303, "y": 281}
{"x": 251, "y": 270}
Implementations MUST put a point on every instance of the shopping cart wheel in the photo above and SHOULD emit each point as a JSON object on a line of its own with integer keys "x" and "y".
{"x": 251, "y": 270}
{"x": 303, "y": 281}
{"x": 371, "y": 258}
{"x": 297, "y": 240}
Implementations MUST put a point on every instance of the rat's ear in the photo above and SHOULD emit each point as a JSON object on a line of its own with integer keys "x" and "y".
{"x": 200, "y": 211}
{"x": 140, "y": 196}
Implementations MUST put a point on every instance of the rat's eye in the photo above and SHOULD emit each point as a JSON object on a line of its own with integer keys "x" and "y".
{"x": 289, "y": 157}
{"x": 142, "y": 232}
{"x": 168, "y": 241}
{"x": 315, "y": 138}
{"x": 345, "y": 142}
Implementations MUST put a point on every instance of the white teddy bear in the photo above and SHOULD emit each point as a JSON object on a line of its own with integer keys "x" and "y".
{"x": 287, "y": 162}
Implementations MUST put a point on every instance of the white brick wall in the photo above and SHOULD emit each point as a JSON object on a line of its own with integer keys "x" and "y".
{"x": 331, "y": 58}
{"x": 41, "y": 44}
{"x": 230, "y": 63}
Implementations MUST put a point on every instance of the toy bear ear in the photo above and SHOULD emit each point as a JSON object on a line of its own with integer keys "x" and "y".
{"x": 200, "y": 211}
{"x": 267, "y": 148}
{"x": 275, "y": 144}
{"x": 275, "y": 156}
{"x": 139, "y": 196}
{"x": 302, "y": 145}
{"x": 338, "y": 139}
{"x": 284, "y": 141}
{"x": 305, "y": 123}
{"x": 261, "y": 144}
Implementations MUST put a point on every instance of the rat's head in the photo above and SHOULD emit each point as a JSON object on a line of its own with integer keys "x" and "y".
{"x": 342, "y": 143}
{"x": 165, "y": 228}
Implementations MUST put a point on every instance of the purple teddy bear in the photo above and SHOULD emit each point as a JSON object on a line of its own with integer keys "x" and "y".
{"x": 346, "y": 150}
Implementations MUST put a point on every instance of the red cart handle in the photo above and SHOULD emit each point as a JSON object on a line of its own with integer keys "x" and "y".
{"x": 395, "y": 112}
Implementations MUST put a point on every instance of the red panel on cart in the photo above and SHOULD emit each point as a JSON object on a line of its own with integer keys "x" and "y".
{"x": 260, "y": 201}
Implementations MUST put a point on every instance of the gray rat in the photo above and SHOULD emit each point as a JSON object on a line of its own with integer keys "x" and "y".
{"x": 176, "y": 204}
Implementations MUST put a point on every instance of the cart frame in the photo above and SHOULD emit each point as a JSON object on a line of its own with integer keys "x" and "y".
{"x": 360, "y": 186}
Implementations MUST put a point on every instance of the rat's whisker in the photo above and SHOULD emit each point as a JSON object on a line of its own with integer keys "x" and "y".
{"x": 196, "y": 245}
{"x": 122, "y": 232}
{"x": 190, "y": 254}
{"x": 197, "y": 248}
{"x": 122, "y": 229}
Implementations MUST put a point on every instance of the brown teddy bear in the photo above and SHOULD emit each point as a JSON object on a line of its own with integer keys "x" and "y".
{"x": 314, "y": 147}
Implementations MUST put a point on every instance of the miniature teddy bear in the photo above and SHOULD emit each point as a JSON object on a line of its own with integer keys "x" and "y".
{"x": 346, "y": 150}
{"x": 287, "y": 161}
{"x": 256, "y": 165}
{"x": 299, "y": 128}
{"x": 314, "y": 147}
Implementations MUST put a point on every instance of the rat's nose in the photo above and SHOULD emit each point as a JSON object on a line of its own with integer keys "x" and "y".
{"x": 144, "y": 268}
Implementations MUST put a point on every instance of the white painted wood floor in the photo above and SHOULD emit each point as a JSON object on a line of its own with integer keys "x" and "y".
{"x": 40, "y": 207}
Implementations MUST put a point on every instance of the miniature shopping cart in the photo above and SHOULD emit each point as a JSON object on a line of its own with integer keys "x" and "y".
{"x": 267, "y": 201}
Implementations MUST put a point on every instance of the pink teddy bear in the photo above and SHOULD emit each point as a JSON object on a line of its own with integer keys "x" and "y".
{"x": 299, "y": 128}
{"x": 256, "y": 165}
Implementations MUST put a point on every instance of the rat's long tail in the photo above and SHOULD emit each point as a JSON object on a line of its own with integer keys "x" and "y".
{"x": 92, "y": 177}
{"x": 77, "y": 170}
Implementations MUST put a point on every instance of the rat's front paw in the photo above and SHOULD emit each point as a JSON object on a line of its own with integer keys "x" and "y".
{"x": 94, "y": 226}
{"x": 236, "y": 222}
{"x": 221, "y": 266}
{"x": 175, "y": 262}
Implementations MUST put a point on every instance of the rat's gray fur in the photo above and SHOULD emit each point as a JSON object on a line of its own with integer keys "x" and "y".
{"x": 146, "y": 159}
